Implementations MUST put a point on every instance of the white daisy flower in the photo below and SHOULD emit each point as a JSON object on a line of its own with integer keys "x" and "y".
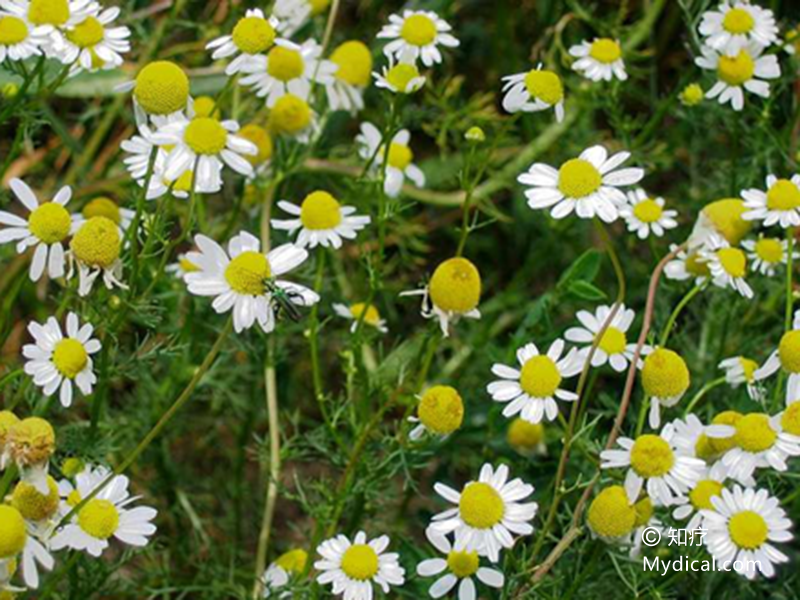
{"x": 687, "y": 265}
{"x": 102, "y": 206}
{"x": 106, "y": 515}
{"x": 742, "y": 528}
{"x": 321, "y": 221}
{"x": 744, "y": 71}
{"x": 538, "y": 89}
{"x": 728, "y": 266}
{"x": 653, "y": 460}
{"x": 47, "y": 227}
{"x": 461, "y": 566}
{"x": 692, "y": 438}
{"x": 18, "y": 539}
{"x": 399, "y": 160}
{"x": 767, "y": 254}
{"x": 417, "y": 34}
{"x": 354, "y": 568}
{"x": 353, "y": 60}
{"x": 488, "y": 513}
{"x": 93, "y": 251}
{"x": 184, "y": 265}
{"x": 699, "y": 498}
{"x": 739, "y": 370}
{"x": 354, "y": 313}
{"x": 645, "y": 215}
{"x": 737, "y": 23}
{"x": 51, "y": 18}
{"x": 780, "y": 204}
{"x": 281, "y": 571}
{"x": 400, "y": 78}
{"x": 531, "y": 390}
{"x": 55, "y": 361}
{"x": 293, "y": 14}
{"x": 587, "y": 185}
{"x": 599, "y": 60}
{"x": 760, "y": 443}
{"x": 242, "y": 279}
{"x": 787, "y": 357}
{"x": 613, "y": 348}
{"x": 19, "y": 39}
{"x": 252, "y": 35}
{"x": 440, "y": 412}
{"x": 288, "y": 69}
{"x": 92, "y": 44}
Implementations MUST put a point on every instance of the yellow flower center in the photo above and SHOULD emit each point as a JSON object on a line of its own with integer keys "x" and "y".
{"x": 32, "y": 441}
{"x": 34, "y": 505}
{"x": 70, "y": 357}
{"x": 790, "y": 420}
{"x": 74, "y": 498}
{"x": 696, "y": 266}
{"x": 441, "y": 410}
{"x": 285, "y": 64}
{"x": 318, "y": 6}
{"x": 12, "y": 31}
{"x": 360, "y": 562}
{"x": 400, "y": 75}
{"x": 523, "y": 435}
{"x": 544, "y": 85}
{"x": 50, "y": 222}
{"x": 320, "y": 211}
{"x": 703, "y": 448}
{"x": 578, "y": 178}
{"x": 701, "y": 495}
{"x": 613, "y": 341}
{"x": 102, "y": 207}
{"x": 253, "y": 35}
{"x": 749, "y": 367}
{"x": 372, "y": 316}
{"x": 290, "y": 114}
{"x": 182, "y": 183}
{"x": 355, "y": 63}
{"x": 293, "y": 561}
{"x": 7, "y": 421}
{"x": 247, "y": 272}
{"x": 463, "y": 564}
{"x": 770, "y": 250}
{"x": 692, "y": 94}
{"x": 48, "y": 12}
{"x": 206, "y": 106}
{"x": 72, "y": 466}
{"x": 540, "y": 377}
{"x": 187, "y": 266}
{"x": 722, "y": 445}
{"x": 651, "y": 456}
{"x": 455, "y": 286}
{"x": 726, "y": 216}
{"x": 748, "y": 529}
{"x": 789, "y": 351}
{"x": 648, "y": 211}
{"x": 400, "y": 156}
{"x": 87, "y": 33}
{"x": 418, "y": 30}
{"x": 205, "y": 135}
{"x": 162, "y": 88}
{"x": 260, "y": 137}
{"x": 736, "y": 70}
{"x": 605, "y": 50}
{"x": 610, "y": 514}
{"x": 738, "y": 21}
{"x": 97, "y": 243}
{"x": 733, "y": 261}
{"x": 783, "y": 195}
{"x": 644, "y": 511}
{"x": 99, "y": 518}
{"x": 664, "y": 374}
{"x": 481, "y": 506}
{"x": 12, "y": 532}
{"x": 754, "y": 433}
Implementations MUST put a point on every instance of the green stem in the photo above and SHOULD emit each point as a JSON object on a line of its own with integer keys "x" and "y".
{"x": 789, "y": 278}
{"x": 702, "y": 392}
{"x": 676, "y": 313}
{"x": 313, "y": 336}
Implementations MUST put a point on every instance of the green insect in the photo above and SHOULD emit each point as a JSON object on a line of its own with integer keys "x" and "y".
{"x": 282, "y": 300}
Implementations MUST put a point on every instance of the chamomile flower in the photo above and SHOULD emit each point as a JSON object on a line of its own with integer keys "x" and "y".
{"x": 687, "y": 265}
{"x": 321, "y": 221}
{"x": 531, "y": 390}
{"x": 52, "y": 17}
{"x": 353, "y": 60}
{"x": 488, "y": 513}
{"x": 612, "y": 515}
{"x": 599, "y": 60}
{"x": 787, "y": 357}
{"x": 19, "y": 39}
{"x": 760, "y": 442}
{"x": 727, "y": 265}
{"x": 440, "y": 412}
{"x": 361, "y": 312}
{"x": 106, "y": 515}
{"x": 742, "y": 528}
{"x": 279, "y": 572}
{"x": 417, "y": 34}
{"x": 16, "y": 540}
{"x": 399, "y": 159}
{"x": 355, "y": 568}
{"x": 184, "y": 265}
{"x": 400, "y": 78}
{"x": 779, "y": 204}
{"x": 288, "y": 69}
{"x": 292, "y": 116}
{"x": 746, "y": 70}
{"x": 262, "y": 140}
{"x": 654, "y": 462}
{"x": 588, "y": 185}
{"x": 160, "y": 89}
{"x": 30, "y": 443}
{"x": 613, "y": 348}
{"x": 57, "y": 361}
{"x": 242, "y": 279}
{"x": 665, "y": 379}
{"x": 33, "y": 504}
{"x": 94, "y": 251}
{"x": 645, "y": 215}
{"x": 7, "y": 420}
{"x": 739, "y": 370}
{"x": 461, "y": 566}
{"x": 103, "y": 206}
{"x": 47, "y": 227}
{"x": 691, "y": 95}
{"x": 767, "y": 254}
{"x": 706, "y": 442}
{"x": 538, "y": 89}
{"x": 252, "y": 35}
{"x": 293, "y": 14}
{"x": 699, "y": 499}
{"x": 645, "y": 519}
{"x": 790, "y": 418}
{"x": 737, "y": 23}
{"x": 723, "y": 218}
{"x": 453, "y": 292}
{"x": 527, "y": 439}
{"x": 93, "y": 44}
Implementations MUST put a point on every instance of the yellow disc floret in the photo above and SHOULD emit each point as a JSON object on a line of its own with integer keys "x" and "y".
{"x": 726, "y": 217}
{"x": 372, "y": 316}
{"x": 789, "y": 351}
{"x": 783, "y": 195}
{"x": 613, "y": 341}
{"x": 770, "y": 250}
{"x": 12, "y": 31}
{"x": 7, "y": 420}
{"x": 736, "y": 70}
{"x": 48, "y": 12}
{"x": 696, "y": 266}
{"x": 540, "y": 377}
{"x": 644, "y": 511}
{"x": 285, "y": 64}
{"x": 577, "y": 178}
{"x": 70, "y": 357}
{"x": 456, "y": 286}
{"x": 355, "y": 63}
{"x": 99, "y": 518}
{"x": 50, "y": 222}
{"x": 651, "y": 456}
{"x": 664, "y": 374}
{"x": 441, "y": 410}
{"x": 400, "y": 156}
{"x": 701, "y": 495}
{"x": 162, "y": 88}
{"x": 648, "y": 211}
{"x": 87, "y": 33}
{"x": 32, "y": 441}
{"x": 205, "y": 135}
{"x": 524, "y": 436}
{"x": 401, "y": 75}
{"x": 418, "y": 30}
{"x": 748, "y": 368}
{"x": 748, "y": 529}
{"x": 544, "y": 85}
{"x": 754, "y": 433}
{"x": 610, "y": 514}
{"x": 605, "y": 50}
{"x": 481, "y": 506}
{"x": 253, "y": 35}
{"x": 722, "y": 445}
{"x": 360, "y": 562}
{"x": 692, "y": 95}
{"x": 261, "y": 139}
{"x": 32, "y": 504}
{"x": 12, "y": 532}
{"x": 463, "y": 564}
{"x": 733, "y": 261}
{"x": 790, "y": 420}
{"x": 206, "y": 106}
{"x": 290, "y": 115}
{"x": 247, "y": 272}
{"x": 97, "y": 243}
{"x": 318, "y": 6}
{"x": 72, "y": 466}
{"x": 738, "y": 21}
{"x": 102, "y": 207}
{"x": 320, "y": 211}
{"x": 293, "y": 561}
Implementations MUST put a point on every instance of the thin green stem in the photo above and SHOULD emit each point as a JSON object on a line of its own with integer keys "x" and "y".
{"x": 789, "y": 278}
{"x": 676, "y": 313}
{"x": 702, "y": 392}
{"x": 313, "y": 335}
